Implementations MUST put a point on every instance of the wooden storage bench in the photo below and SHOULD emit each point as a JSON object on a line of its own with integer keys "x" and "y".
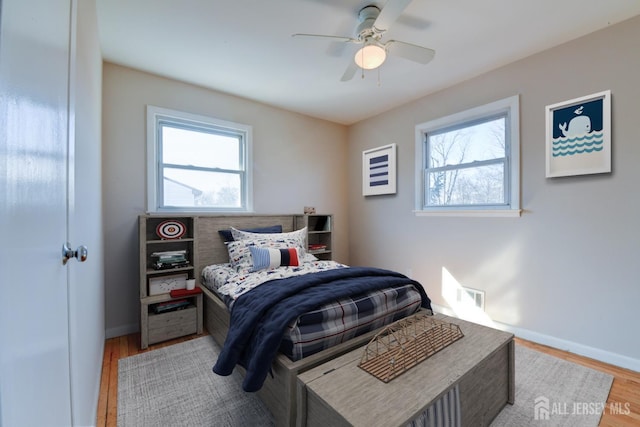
{"x": 339, "y": 393}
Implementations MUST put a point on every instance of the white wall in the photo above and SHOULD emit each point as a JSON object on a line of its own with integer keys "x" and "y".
{"x": 298, "y": 161}
{"x": 567, "y": 271}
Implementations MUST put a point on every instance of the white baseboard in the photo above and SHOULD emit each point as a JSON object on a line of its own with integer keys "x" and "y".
{"x": 570, "y": 346}
{"x": 121, "y": 330}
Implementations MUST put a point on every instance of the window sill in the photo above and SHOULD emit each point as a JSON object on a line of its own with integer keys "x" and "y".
{"x": 494, "y": 213}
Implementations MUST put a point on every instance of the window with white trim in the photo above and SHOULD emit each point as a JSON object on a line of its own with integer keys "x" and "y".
{"x": 469, "y": 163}
{"x": 197, "y": 163}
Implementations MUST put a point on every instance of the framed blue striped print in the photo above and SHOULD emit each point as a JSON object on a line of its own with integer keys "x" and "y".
{"x": 579, "y": 136}
{"x": 379, "y": 170}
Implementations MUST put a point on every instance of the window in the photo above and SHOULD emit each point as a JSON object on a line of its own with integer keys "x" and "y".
{"x": 469, "y": 163}
{"x": 197, "y": 163}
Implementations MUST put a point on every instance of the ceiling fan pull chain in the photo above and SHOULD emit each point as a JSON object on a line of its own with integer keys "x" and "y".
{"x": 378, "y": 76}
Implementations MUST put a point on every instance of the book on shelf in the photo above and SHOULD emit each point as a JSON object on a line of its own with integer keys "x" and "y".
{"x": 169, "y": 259}
{"x": 176, "y": 293}
{"x": 317, "y": 247}
{"x": 169, "y": 254}
{"x": 167, "y": 265}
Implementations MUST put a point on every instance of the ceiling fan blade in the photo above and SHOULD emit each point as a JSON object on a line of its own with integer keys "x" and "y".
{"x": 334, "y": 38}
{"x": 349, "y": 72}
{"x": 388, "y": 15}
{"x": 412, "y": 52}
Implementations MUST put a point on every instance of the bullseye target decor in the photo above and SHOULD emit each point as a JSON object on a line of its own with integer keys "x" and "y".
{"x": 171, "y": 229}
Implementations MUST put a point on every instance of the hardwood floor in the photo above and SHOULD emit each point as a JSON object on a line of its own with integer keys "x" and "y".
{"x": 622, "y": 408}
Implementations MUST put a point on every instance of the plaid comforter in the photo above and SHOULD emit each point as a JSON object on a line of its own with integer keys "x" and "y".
{"x": 258, "y": 322}
{"x": 341, "y": 320}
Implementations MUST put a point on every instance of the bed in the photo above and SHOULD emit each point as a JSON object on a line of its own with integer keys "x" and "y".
{"x": 278, "y": 390}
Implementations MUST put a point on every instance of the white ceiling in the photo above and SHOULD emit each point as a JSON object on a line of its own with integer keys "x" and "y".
{"x": 245, "y": 48}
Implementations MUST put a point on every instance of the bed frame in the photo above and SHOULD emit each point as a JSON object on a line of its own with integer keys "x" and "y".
{"x": 278, "y": 392}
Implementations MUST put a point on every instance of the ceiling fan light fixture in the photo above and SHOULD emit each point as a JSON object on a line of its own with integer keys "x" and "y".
{"x": 370, "y": 56}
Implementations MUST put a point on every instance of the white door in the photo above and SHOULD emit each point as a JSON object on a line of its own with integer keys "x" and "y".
{"x": 34, "y": 322}
{"x": 86, "y": 288}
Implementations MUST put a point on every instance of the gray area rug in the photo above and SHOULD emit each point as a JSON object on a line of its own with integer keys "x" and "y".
{"x": 554, "y": 392}
{"x": 174, "y": 386}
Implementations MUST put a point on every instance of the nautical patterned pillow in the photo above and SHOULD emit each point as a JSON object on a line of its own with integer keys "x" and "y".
{"x": 228, "y": 237}
{"x": 300, "y": 235}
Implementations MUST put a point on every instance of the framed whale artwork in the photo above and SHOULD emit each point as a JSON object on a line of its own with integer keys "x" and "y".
{"x": 578, "y": 136}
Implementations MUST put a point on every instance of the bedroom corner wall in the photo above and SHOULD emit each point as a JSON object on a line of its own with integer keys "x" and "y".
{"x": 298, "y": 161}
{"x": 568, "y": 268}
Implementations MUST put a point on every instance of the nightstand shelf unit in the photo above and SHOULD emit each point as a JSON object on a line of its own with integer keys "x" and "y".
{"x": 319, "y": 234}
{"x": 156, "y": 327}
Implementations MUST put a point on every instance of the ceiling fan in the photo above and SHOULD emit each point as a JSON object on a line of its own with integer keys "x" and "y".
{"x": 373, "y": 24}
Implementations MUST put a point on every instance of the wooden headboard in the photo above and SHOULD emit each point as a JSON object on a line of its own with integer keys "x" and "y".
{"x": 210, "y": 247}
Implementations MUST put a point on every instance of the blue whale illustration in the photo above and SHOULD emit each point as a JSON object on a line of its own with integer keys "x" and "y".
{"x": 580, "y": 125}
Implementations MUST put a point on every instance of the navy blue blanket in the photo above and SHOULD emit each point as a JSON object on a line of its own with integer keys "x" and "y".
{"x": 259, "y": 317}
